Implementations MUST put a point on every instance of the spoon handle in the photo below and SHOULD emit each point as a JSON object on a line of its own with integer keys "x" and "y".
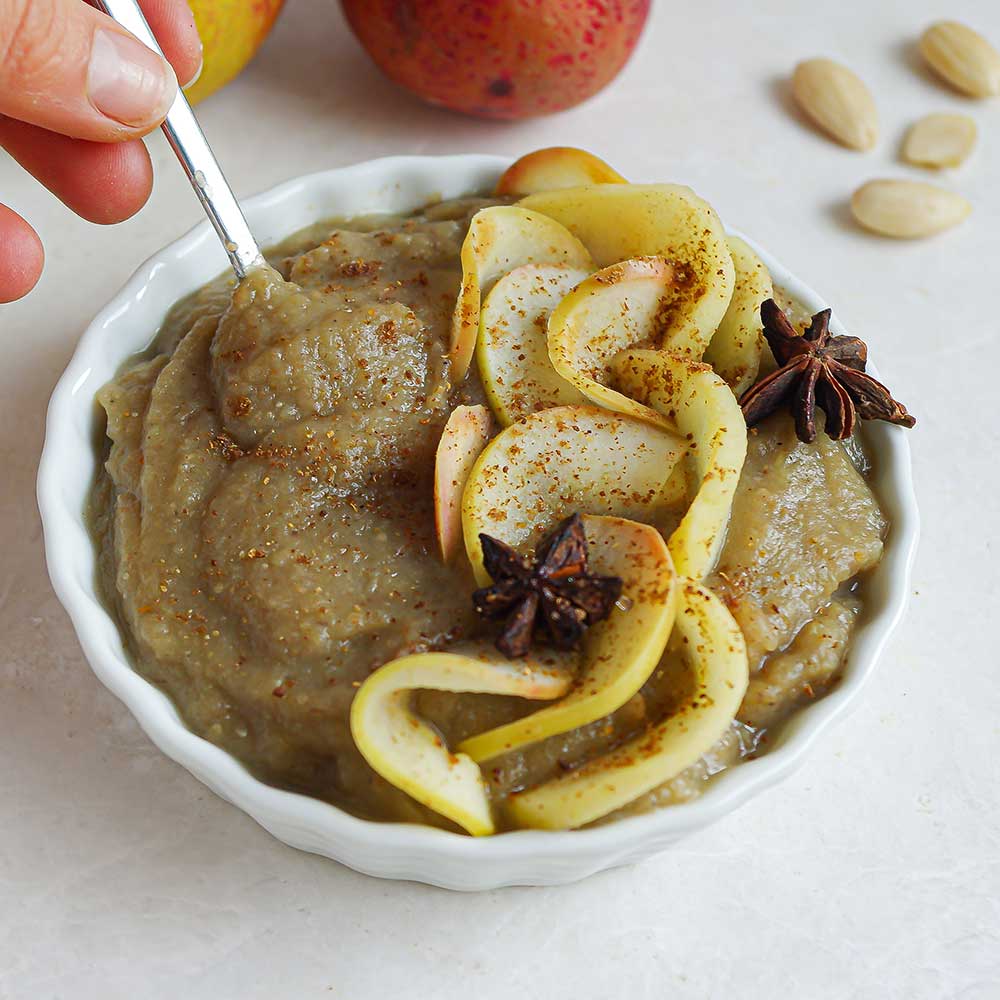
{"x": 189, "y": 144}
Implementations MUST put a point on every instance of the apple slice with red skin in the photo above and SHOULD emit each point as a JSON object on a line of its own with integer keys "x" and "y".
{"x": 553, "y": 168}
{"x": 501, "y": 238}
{"x": 465, "y": 435}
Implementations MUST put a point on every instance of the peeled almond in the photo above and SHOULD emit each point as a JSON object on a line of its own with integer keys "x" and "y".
{"x": 617, "y": 307}
{"x": 715, "y": 652}
{"x": 560, "y": 461}
{"x": 512, "y": 353}
{"x": 940, "y": 141}
{"x": 907, "y": 209}
{"x": 553, "y": 168}
{"x": 706, "y": 413}
{"x": 735, "y": 350}
{"x": 409, "y": 753}
{"x": 499, "y": 239}
{"x": 620, "y": 221}
{"x": 466, "y": 433}
{"x": 835, "y": 98}
{"x": 962, "y": 57}
{"x": 618, "y": 653}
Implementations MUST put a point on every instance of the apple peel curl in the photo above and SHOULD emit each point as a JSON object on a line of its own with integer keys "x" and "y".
{"x": 703, "y": 409}
{"x": 735, "y": 350}
{"x": 408, "y": 752}
{"x": 618, "y": 307}
{"x": 616, "y": 222}
{"x": 714, "y": 649}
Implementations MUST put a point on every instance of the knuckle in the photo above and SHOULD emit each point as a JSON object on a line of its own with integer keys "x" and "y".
{"x": 32, "y": 38}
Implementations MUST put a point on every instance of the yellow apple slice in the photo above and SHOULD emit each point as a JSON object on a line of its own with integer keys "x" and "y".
{"x": 619, "y": 221}
{"x": 410, "y": 754}
{"x": 735, "y": 350}
{"x": 467, "y": 432}
{"x": 501, "y": 238}
{"x": 620, "y": 306}
{"x": 512, "y": 353}
{"x": 619, "y": 653}
{"x": 715, "y": 652}
{"x": 555, "y": 167}
{"x": 561, "y": 461}
{"x": 707, "y": 415}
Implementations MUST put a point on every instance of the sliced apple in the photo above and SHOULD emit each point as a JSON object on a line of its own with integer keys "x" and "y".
{"x": 620, "y": 306}
{"x": 410, "y": 754}
{"x": 619, "y": 221}
{"x": 512, "y": 353}
{"x": 736, "y": 348}
{"x": 560, "y": 461}
{"x": 467, "y": 432}
{"x": 705, "y": 412}
{"x": 714, "y": 649}
{"x": 501, "y": 238}
{"x": 618, "y": 653}
{"x": 555, "y": 167}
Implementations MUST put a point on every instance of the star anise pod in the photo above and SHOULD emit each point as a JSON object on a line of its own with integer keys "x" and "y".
{"x": 816, "y": 369}
{"x": 553, "y": 593}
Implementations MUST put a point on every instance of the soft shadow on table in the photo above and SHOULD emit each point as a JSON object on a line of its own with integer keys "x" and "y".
{"x": 779, "y": 89}
{"x": 907, "y": 53}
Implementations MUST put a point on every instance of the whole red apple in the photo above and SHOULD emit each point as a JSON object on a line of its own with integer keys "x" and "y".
{"x": 499, "y": 58}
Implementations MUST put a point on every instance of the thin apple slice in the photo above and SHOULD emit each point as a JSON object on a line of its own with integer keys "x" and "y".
{"x": 410, "y": 754}
{"x": 555, "y": 167}
{"x": 619, "y": 653}
{"x": 707, "y": 415}
{"x": 501, "y": 238}
{"x": 735, "y": 350}
{"x": 619, "y": 221}
{"x": 561, "y": 461}
{"x": 512, "y": 353}
{"x": 467, "y": 432}
{"x": 715, "y": 652}
{"x": 620, "y": 306}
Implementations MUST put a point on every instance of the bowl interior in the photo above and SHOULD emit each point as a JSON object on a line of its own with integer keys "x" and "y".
{"x": 128, "y": 324}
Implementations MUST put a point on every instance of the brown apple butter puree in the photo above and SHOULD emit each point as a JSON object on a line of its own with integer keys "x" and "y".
{"x": 265, "y": 525}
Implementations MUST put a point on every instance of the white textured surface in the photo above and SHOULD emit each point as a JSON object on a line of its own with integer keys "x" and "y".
{"x": 875, "y": 872}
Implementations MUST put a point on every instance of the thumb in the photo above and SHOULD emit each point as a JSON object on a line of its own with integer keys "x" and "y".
{"x": 69, "y": 68}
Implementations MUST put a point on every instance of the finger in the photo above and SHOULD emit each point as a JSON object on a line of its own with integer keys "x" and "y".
{"x": 102, "y": 182}
{"x": 173, "y": 25}
{"x": 21, "y": 256}
{"x": 67, "y": 67}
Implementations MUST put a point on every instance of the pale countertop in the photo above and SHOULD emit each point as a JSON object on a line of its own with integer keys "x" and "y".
{"x": 872, "y": 873}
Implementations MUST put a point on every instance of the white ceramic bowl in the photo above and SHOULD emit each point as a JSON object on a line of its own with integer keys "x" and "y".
{"x": 127, "y": 324}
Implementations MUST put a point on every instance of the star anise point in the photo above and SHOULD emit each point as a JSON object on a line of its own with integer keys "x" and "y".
{"x": 553, "y": 593}
{"x": 816, "y": 368}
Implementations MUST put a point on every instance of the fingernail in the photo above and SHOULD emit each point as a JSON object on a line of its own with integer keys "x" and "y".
{"x": 197, "y": 76}
{"x": 127, "y": 81}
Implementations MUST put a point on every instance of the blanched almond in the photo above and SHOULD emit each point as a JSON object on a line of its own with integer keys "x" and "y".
{"x": 836, "y": 100}
{"x": 940, "y": 140}
{"x": 962, "y": 57}
{"x": 907, "y": 209}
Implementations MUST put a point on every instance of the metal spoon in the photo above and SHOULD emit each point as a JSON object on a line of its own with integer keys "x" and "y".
{"x": 188, "y": 141}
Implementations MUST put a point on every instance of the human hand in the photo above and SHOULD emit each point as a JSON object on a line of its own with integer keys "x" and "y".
{"x": 77, "y": 92}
